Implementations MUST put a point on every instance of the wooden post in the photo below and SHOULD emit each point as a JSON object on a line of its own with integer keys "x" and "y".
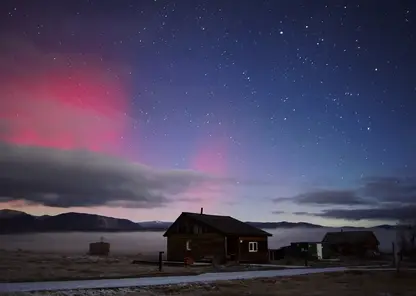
{"x": 160, "y": 261}
{"x": 394, "y": 254}
{"x": 225, "y": 249}
{"x": 238, "y": 250}
{"x": 305, "y": 253}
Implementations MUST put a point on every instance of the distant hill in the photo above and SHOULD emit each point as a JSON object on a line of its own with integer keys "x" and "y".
{"x": 388, "y": 227}
{"x": 155, "y": 225}
{"x": 284, "y": 224}
{"x": 15, "y": 222}
{"x": 161, "y": 226}
{"x": 12, "y": 221}
{"x": 10, "y": 213}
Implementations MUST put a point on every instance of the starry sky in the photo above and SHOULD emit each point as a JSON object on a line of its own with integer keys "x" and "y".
{"x": 265, "y": 110}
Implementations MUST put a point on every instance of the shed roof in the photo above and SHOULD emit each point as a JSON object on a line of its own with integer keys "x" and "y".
{"x": 224, "y": 224}
{"x": 352, "y": 237}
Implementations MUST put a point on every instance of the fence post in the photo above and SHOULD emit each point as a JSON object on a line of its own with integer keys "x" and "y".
{"x": 160, "y": 261}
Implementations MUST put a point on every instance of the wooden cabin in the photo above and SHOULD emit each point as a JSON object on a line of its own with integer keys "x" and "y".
{"x": 356, "y": 243}
{"x": 215, "y": 238}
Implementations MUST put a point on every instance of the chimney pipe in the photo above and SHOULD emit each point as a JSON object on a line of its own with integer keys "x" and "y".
{"x": 202, "y": 211}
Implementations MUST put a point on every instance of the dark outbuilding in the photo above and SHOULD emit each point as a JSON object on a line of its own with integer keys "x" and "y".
{"x": 351, "y": 242}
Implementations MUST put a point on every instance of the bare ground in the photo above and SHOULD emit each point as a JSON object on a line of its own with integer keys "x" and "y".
{"x": 341, "y": 262}
{"x": 380, "y": 283}
{"x": 22, "y": 266}
{"x": 18, "y": 266}
{"x": 28, "y": 266}
{"x": 350, "y": 283}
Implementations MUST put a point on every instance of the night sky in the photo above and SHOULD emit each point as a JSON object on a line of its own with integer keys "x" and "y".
{"x": 265, "y": 110}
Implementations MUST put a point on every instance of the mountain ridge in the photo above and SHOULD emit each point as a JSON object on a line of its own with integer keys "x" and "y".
{"x": 20, "y": 222}
{"x": 12, "y": 221}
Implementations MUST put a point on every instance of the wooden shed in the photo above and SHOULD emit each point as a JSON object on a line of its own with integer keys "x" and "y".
{"x": 99, "y": 249}
{"x": 211, "y": 237}
{"x": 351, "y": 242}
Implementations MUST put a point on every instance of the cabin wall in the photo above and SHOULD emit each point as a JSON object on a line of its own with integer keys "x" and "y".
{"x": 262, "y": 254}
{"x": 232, "y": 248}
{"x": 373, "y": 243}
{"x": 357, "y": 249}
{"x": 202, "y": 246}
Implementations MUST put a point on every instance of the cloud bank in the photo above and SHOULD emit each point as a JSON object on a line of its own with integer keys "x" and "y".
{"x": 76, "y": 178}
{"x": 326, "y": 197}
{"x": 378, "y": 198}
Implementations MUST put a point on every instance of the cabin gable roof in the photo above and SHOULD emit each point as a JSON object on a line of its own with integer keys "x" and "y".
{"x": 352, "y": 237}
{"x": 225, "y": 225}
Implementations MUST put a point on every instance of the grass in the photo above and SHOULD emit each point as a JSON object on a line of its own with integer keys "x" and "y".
{"x": 25, "y": 266}
{"x": 343, "y": 262}
{"x": 377, "y": 283}
{"x": 19, "y": 266}
{"x": 350, "y": 283}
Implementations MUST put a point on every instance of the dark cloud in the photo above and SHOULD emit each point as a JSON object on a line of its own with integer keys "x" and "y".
{"x": 61, "y": 178}
{"x": 302, "y": 213}
{"x": 399, "y": 213}
{"x": 278, "y": 212}
{"x": 327, "y": 197}
{"x": 378, "y": 198}
{"x": 389, "y": 189}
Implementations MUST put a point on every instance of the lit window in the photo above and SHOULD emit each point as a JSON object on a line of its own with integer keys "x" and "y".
{"x": 188, "y": 245}
{"x": 252, "y": 247}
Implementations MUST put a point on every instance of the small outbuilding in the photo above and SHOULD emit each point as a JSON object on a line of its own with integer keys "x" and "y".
{"x": 215, "y": 238}
{"x": 99, "y": 249}
{"x": 313, "y": 250}
{"x": 358, "y": 243}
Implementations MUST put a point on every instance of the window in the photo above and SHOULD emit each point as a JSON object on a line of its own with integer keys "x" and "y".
{"x": 252, "y": 247}
{"x": 188, "y": 245}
